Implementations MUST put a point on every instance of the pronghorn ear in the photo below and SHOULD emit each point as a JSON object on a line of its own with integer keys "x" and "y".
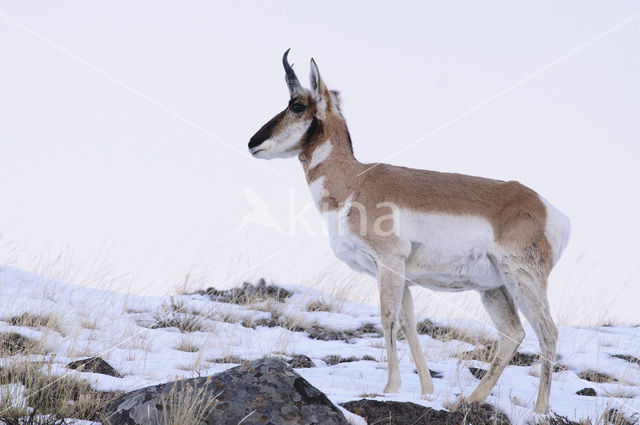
{"x": 318, "y": 90}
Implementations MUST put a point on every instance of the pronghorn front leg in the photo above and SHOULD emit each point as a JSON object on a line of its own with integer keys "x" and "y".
{"x": 409, "y": 326}
{"x": 391, "y": 284}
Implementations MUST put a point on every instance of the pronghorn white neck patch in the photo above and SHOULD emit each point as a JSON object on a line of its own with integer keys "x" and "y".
{"x": 317, "y": 190}
{"x": 321, "y": 153}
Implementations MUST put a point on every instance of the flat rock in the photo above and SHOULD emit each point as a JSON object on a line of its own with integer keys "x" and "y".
{"x": 266, "y": 391}
{"x": 406, "y": 413}
{"x": 94, "y": 365}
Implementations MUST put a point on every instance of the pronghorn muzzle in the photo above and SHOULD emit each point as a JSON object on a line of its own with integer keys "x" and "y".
{"x": 264, "y": 133}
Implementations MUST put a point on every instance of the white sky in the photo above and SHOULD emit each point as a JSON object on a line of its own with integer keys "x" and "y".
{"x": 101, "y": 185}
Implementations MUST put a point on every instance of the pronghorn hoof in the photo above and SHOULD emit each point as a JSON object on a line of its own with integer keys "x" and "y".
{"x": 427, "y": 391}
{"x": 391, "y": 388}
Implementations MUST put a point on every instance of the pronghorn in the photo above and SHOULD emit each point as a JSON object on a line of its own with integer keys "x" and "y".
{"x": 447, "y": 232}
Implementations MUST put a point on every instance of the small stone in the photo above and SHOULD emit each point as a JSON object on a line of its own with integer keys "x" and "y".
{"x": 589, "y": 392}
{"x": 477, "y": 372}
{"x": 94, "y": 365}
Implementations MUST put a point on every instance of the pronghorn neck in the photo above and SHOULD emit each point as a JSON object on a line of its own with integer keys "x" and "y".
{"x": 328, "y": 162}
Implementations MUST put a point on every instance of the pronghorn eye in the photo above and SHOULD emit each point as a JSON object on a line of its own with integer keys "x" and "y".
{"x": 298, "y": 107}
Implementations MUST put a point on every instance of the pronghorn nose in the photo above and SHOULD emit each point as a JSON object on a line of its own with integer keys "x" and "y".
{"x": 255, "y": 140}
{"x": 265, "y": 131}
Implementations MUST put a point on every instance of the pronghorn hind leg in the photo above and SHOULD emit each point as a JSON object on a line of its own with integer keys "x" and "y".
{"x": 391, "y": 285}
{"x": 408, "y": 319}
{"x": 527, "y": 286}
{"x": 504, "y": 316}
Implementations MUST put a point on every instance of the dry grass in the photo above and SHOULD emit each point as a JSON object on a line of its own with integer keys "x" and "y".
{"x": 49, "y": 321}
{"x": 12, "y": 343}
{"x": 319, "y": 305}
{"x": 45, "y": 398}
{"x": 595, "y": 376}
{"x": 187, "y": 346}
{"x": 229, "y": 360}
{"x": 175, "y": 314}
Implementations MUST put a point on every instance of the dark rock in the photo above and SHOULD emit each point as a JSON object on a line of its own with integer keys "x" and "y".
{"x": 433, "y": 373}
{"x": 399, "y": 413}
{"x": 94, "y": 365}
{"x": 590, "y": 392}
{"x": 248, "y": 293}
{"x": 265, "y": 391}
{"x": 477, "y": 372}
{"x": 301, "y": 361}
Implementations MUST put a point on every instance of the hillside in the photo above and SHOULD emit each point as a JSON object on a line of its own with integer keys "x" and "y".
{"x": 46, "y": 325}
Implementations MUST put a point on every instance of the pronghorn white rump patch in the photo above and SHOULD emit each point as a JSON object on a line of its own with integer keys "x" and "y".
{"x": 321, "y": 153}
{"x": 556, "y": 230}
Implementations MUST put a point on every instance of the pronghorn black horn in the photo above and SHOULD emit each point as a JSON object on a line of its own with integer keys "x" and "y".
{"x": 290, "y": 77}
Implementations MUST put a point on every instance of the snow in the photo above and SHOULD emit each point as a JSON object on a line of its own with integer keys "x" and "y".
{"x": 115, "y": 326}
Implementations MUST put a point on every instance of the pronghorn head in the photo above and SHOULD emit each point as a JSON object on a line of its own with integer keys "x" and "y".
{"x": 285, "y": 134}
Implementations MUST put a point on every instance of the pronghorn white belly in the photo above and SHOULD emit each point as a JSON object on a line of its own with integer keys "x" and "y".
{"x": 443, "y": 252}
{"x": 449, "y": 252}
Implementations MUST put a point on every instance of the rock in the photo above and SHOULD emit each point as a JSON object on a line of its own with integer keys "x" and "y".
{"x": 266, "y": 391}
{"x": 477, "y": 372}
{"x": 94, "y": 365}
{"x": 590, "y": 392}
{"x": 399, "y": 413}
{"x": 300, "y": 361}
{"x": 433, "y": 373}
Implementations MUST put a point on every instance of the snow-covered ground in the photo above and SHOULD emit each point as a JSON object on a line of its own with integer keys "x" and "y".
{"x": 120, "y": 329}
